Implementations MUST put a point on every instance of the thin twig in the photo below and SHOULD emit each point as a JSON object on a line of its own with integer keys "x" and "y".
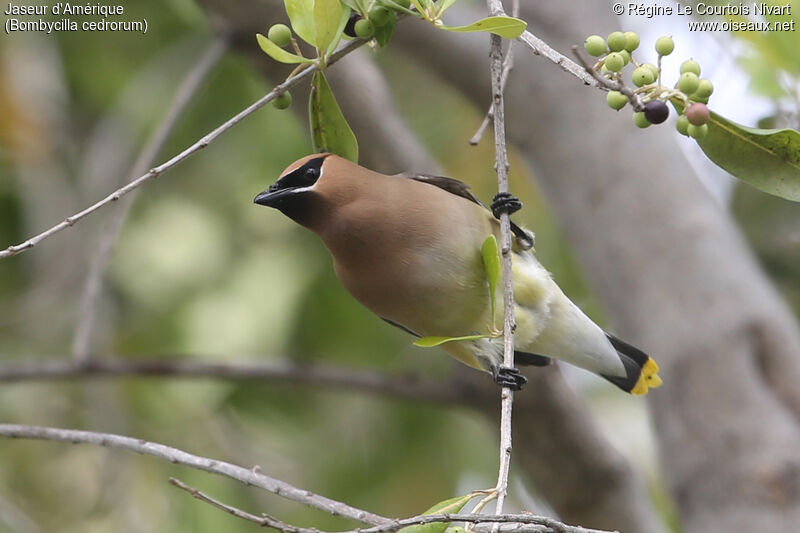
{"x": 196, "y": 147}
{"x": 508, "y": 64}
{"x": 528, "y": 523}
{"x": 611, "y": 85}
{"x": 282, "y": 371}
{"x": 81, "y": 342}
{"x": 264, "y": 520}
{"x": 501, "y": 166}
{"x": 539, "y": 47}
{"x": 247, "y": 476}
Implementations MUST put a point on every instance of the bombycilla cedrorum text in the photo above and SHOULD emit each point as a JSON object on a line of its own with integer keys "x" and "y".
{"x": 408, "y": 247}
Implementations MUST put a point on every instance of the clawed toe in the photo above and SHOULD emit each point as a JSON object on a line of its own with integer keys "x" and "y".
{"x": 504, "y": 202}
{"x": 509, "y": 377}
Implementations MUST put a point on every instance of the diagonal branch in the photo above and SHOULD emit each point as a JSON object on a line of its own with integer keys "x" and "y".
{"x": 518, "y": 523}
{"x": 155, "y": 172}
{"x": 247, "y": 476}
{"x": 81, "y": 342}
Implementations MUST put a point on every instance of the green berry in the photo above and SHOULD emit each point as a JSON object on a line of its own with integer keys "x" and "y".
{"x": 379, "y": 15}
{"x": 697, "y": 132}
{"x": 698, "y": 114}
{"x": 640, "y": 120}
{"x": 653, "y": 69}
{"x": 690, "y": 65}
{"x": 682, "y": 125}
{"x": 595, "y": 45}
{"x": 280, "y": 34}
{"x": 688, "y": 82}
{"x": 365, "y": 28}
{"x": 625, "y": 55}
{"x": 614, "y": 62}
{"x": 702, "y": 100}
{"x": 617, "y": 41}
{"x": 631, "y": 41}
{"x": 665, "y": 45}
{"x": 704, "y": 89}
{"x": 283, "y": 101}
{"x": 616, "y": 100}
{"x": 642, "y": 76}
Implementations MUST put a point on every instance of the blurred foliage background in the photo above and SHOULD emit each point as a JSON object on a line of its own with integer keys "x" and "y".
{"x": 200, "y": 272}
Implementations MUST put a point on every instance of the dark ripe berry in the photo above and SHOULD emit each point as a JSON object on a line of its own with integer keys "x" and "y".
{"x": 350, "y": 27}
{"x": 365, "y": 29}
{"x": 656, "y": 111}
{"x": 283, "y": 101}
{"x": 698, "y": 114}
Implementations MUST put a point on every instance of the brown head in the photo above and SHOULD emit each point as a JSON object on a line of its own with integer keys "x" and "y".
{"x": 311, "y": 187}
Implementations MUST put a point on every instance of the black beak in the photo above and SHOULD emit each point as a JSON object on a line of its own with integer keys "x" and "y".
{"x": 273, "y": 197}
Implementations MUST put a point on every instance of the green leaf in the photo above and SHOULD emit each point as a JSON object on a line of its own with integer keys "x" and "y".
{"x": 418, "y": 4}
{"x": 507, "y": 27}
{"x": 330, "y": 131}
{"x": 453, "y": 505}
{"x": 327, "y": 20}
{"x": 384, "y": 33}
{"x": 301, "y": 14}
{"x": 445, "y": 5}
{"x": 491, "y": 263}
{"x": 430, "y": 342}
{"x": 277, "y": 53}
{"x": 768, "y": 160}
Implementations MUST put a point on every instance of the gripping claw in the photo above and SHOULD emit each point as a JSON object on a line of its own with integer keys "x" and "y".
{"x": 504, "y": 202}
{"x": 509, "y": 377}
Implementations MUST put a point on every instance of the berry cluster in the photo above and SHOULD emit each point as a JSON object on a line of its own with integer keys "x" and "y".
{"x": 690, "y": 92}
{"x": 378, "y": 15}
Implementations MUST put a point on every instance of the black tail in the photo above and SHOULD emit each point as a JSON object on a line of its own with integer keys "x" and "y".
{"x": 641, "y": 371}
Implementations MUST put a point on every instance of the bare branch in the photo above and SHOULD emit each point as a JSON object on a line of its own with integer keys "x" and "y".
{"x": 247, "y": 476}
{"x": 509, "y": 324}
{"x": 541, "y": 48}
{"x": 611, "y": 85}
{"x": 508, "y": 64}
{"x": 94, "y": 279}
{"x": 193, "y": 149}
{"x": 520, "y": 523}
{"x": 275, "y": 370}
{"x": 264, "y": 520}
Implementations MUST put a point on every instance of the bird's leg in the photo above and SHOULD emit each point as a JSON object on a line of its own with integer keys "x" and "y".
{"x": 505, "y": 202}
{"x": 508, "y": 377}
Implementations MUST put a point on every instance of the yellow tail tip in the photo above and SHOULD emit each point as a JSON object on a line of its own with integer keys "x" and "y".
{"x": 648, "y": 379}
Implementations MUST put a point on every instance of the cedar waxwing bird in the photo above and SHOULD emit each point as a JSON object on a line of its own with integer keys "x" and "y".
{"x": 408, "y": 247}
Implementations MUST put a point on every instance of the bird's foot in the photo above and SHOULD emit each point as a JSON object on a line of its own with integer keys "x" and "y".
{"x": 508, "y": 377}
{"x": 505, "y": 202}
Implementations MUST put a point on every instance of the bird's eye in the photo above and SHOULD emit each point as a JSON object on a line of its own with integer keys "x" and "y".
{"x": 312, "y": 173}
